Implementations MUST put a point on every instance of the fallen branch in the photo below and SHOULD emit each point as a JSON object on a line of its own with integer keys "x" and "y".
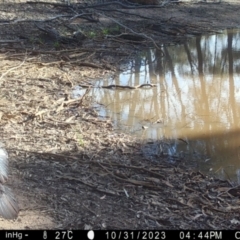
{"x": 125, "y": 6}
{"x": 112, "y": 86}
{"x": 130, "y": 87}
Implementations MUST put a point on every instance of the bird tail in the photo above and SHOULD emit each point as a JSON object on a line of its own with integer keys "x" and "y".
{"x": 8, "y": 204}
{"x": 3, "y": 165}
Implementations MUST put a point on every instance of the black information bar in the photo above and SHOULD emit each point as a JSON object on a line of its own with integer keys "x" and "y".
{"x": 119, "y": 234}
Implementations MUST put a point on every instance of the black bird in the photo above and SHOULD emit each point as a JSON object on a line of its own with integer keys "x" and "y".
{"x": 8, "y": 204}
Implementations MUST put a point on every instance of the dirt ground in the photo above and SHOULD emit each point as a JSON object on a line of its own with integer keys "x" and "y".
{"x": 69, "y": 168}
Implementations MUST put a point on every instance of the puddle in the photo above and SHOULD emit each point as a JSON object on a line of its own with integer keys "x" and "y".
{"x": 197, "y": 100}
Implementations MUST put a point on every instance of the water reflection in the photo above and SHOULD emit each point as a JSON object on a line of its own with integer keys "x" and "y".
{"x": 197, "y": 100}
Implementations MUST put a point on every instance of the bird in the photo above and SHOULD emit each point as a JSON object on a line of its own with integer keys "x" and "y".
{"x": 8, "y": 204}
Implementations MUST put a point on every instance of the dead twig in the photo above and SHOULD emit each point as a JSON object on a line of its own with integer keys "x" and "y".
{"x": 13, "y": 68}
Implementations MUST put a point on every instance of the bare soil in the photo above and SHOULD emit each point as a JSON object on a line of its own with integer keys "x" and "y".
{"x": 68, "y": 166}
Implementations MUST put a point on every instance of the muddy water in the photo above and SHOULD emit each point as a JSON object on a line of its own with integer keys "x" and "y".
{"x": 196, "y": 104}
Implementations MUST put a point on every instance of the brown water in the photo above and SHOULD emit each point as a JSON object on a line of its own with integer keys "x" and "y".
{"x": 197, "y": 100}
